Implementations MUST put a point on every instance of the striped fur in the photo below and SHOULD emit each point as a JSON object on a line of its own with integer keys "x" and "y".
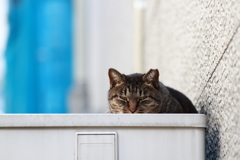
{"x": 143, "y": 93}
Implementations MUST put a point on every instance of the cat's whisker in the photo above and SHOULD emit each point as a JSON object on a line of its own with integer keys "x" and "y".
{"x": 115, "y": 111}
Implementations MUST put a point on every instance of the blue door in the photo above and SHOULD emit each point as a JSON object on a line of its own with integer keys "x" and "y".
{"x": 38, "y": 56}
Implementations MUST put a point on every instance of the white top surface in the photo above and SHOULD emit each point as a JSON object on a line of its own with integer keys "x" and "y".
{"x": 102, "y": 120}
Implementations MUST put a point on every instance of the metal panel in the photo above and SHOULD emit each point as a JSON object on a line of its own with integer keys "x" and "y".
{"x": 104, "y": 120}
{"x": 96, "y": 145}
{"x": 133, "y": 137}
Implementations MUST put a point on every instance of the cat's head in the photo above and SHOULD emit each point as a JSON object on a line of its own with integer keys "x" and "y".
{"x": 135, "y": 93}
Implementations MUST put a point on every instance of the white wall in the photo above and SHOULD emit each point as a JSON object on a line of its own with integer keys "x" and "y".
{"x": 3, "y": 40}
{"x": 107, "y": 43}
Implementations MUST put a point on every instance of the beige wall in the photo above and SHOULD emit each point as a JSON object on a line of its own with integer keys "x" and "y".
{"x": 196, "y": 46}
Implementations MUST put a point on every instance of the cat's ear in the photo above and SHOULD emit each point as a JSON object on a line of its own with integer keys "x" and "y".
{"x": 115, "y": 77}
{"x": 151, "y": 77}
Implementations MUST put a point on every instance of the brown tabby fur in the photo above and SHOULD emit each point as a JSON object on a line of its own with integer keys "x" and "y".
{"x": 143, "y": 93}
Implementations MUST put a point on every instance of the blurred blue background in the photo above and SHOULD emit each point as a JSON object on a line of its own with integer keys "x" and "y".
{"x": 38, "y": 56}
{"x": 55, "y": 54}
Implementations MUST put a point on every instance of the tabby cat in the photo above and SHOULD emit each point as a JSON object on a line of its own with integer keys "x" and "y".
{"x": 143, "y": 93}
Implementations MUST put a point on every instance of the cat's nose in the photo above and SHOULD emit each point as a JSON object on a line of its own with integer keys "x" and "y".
{"x": 132, "y": 109}
{"x": 132, "y": 106}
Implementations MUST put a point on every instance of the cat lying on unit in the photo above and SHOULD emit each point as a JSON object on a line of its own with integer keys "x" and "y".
{"x": 143, "y": 93}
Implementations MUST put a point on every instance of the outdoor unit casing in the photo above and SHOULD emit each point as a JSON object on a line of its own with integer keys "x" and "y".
{"x": 103, "y": 137}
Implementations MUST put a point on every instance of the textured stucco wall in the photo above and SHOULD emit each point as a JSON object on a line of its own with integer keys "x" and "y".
{"x": 196, "y": 46}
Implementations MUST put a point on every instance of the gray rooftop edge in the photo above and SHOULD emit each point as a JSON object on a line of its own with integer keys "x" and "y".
{"x": 102, "y": 120}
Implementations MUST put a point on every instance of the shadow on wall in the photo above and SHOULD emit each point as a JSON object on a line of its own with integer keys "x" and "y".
{"x": 212, "y": 139}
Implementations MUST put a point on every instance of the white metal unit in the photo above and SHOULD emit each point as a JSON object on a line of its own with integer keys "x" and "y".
{"x": 106, "y": 136}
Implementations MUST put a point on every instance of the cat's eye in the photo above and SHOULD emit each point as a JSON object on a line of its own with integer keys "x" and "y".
{"x": 142, "y": 98}
{"x": 123, "y": 98}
